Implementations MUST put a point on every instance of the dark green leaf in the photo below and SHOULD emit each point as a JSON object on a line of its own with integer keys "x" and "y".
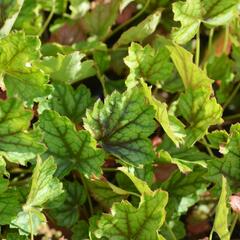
{"x": 69, "y": 102}
{"x": 103, "y": 193}
{"x": 70, "y": 148}
{"x": 184, "y": 191}
{"x": 228, "y": 166}
{"x": 9, "y": 204}
{"x": 99, "y": 21}
{"x": 80, "y": 231}
{"x": 122, "y": 125}
{"x": 67, "y": 214}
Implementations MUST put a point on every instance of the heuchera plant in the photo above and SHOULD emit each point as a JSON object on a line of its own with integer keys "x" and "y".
{"x": 119, "y": 119}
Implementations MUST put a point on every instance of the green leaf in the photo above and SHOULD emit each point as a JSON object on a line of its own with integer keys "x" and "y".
{"x": 219, "y": 12}
{"x": 67, "y": 214}
{"x": 17, "y": 143}
{"x": 184, "y": 191}
{"x": 189, "y": 13}
{"x": 144, "y": 172}
{"x": 53, "y": 49}
{"x": 220, "y": 225}
{"x": 224, "y": 75}
{"x": 68, "y": 68}
{"x": 13, "y": 11}
{"x": 69, "y": 102}
{"x": 72, "y": 149}
{"x": 152, "y": 65}
{"x": 141, "y": 185}
{"x": 79, "y": 8}
{"x": 192, "y": 76}
{"x": 105, "y": 193}
{"x": 44, "y": 188}
{"x": 196, "y": 105}
{"x": 200, "y": 111}
{"x": 192, "y": 12}
{"x": 184, "y": 165}
{"x": 102, "y": 60}
{"x": 173, "y": 127}
{"x": 30, "y": 18}
{"x": 80, "y": 230}
{"x": 21, "y": 76}
{"x": 93, "y": 221}
{"x": 227, "y": 165}
{"x": 99, "y": 21}
{"x": 127, "y": 222}
{"x": 218, "y": 138}
{"x": 141, "y": 31}
{"x": 59, "y": 5}
{"x": 15, "y": 236}
{"x": 173, "y": 229}
{"x": 122, "y": 126}
{"x": 236, "y": 57}
{"x": 9, "y": 204}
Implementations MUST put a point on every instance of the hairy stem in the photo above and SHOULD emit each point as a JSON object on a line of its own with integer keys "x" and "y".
{"x": 233, "y": 224}
{"x": 210, "y": 40}
{"x": 235, "y": 91}
{"x": 226, "y": 37}
{"x": 48, "y": 18}
{"x": 88, "y": 194}
{"x": 101, "y": 78}
{"x": 197, "y": 55}
{"x": 173, "y": 237}
{"x": 232, "y": 117}
{"x": 207, "y": 147}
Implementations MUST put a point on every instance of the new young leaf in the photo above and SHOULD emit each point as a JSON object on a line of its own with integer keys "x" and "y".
{"x": 44, "y": 188}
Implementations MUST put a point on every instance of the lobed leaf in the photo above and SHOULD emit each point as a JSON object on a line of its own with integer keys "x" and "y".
{"x": 17, "y": 143}
{"x": 68, "y": 68}
{"x": 122, "y": 125}
{"x": 227, "y": 166}
{"x": 122, "y": 224}
{"x": 69, "y": 102}
{"x": 9, "y": 203}
{"x": 15, "y": 7}
{"x": 67, "y": 213}
{"x": 71, "y": 149}
{"x": 194, "y": 12}
{"x": 141, "y": 31}
{"x": 200, "y": 111}
{"x": 44, "y": 188}
{"x": 152, "y": 65}
{"x": 99, "y": 21}
{"x": 22, "y": 77}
